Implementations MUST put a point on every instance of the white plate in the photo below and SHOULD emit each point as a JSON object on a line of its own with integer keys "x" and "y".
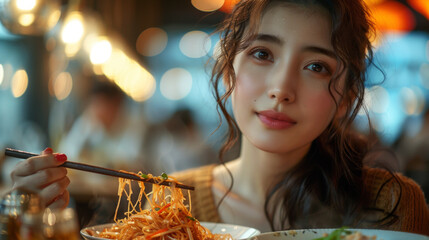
{"x": 236, "y": 231}
{"x": 309, "y": 234}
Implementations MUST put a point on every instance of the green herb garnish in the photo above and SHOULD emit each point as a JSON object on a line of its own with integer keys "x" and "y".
{"x": 143, "y": 175}
{"x": 336, "y": 234}
{"x": 164, "y": 176}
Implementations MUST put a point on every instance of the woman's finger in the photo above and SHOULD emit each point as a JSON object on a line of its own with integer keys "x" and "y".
{"x": 34, "y": 164}
{"x": 60, "y": 201}
{"x": 55, "y": 189}
{"x": 40, "y": 179}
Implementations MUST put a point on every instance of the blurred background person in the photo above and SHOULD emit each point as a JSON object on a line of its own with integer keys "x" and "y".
{"x": 106, "y": 134}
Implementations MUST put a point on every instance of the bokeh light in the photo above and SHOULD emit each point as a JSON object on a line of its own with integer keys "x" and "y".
{"x": 25, "y": 5}
{"x": 195, "y": 44}
{"x": 151, "y": 42}
{"x": 176, "y": 84}
{"x": 228, "y": 5}
{"x": 26, "y": 19}
{"x": 413, "y": 100}
{"x": 373, "y": 2}
{"x": 422, "y": 6}
{"x": 62, "y": 85}
{"x": 216, "y": 50}
{"x": 100, "y": 51}
{"x": 393, "y": 16}
{"x": 73, "y": 28}
{"x": 377, "y": 99}
{"x": 1, "y": 74}
{"x": 129, "y": 75}
{"x": 19, "y": 83}
{"x": 207, "y": 5}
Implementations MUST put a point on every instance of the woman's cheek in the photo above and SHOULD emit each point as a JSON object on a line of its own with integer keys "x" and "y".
{"x": 322, "y": 105}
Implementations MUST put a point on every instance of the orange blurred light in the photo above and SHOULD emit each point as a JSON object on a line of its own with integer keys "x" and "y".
{"x": 373, "y": 2}
{"x": 422, "y": 6}
{"x": 228, "y": 5}
{"x": 393, "y": 16}
{"x": 207, "y": 5}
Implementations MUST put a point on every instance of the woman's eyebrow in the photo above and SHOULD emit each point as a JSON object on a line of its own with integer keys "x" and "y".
{"x": 320, "y": 50}
{"x": 268, "y": 38}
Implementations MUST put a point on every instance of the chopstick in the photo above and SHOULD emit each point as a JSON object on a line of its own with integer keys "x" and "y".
{"x": 95, "y": 169}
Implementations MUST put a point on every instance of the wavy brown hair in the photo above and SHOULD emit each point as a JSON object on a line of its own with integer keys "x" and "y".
{"x": 329, "y": 180}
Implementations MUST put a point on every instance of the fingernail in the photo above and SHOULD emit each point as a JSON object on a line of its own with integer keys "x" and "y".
{"x": 48, "y": 150}
{"x": 61, "y": 157}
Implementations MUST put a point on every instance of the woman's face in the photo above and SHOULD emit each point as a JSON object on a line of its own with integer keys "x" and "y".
{"x": 281, "y": 101}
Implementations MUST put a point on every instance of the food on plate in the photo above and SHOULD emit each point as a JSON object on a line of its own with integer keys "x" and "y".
{"x": 167, "y": 216}
{"x": 344, "y": 234}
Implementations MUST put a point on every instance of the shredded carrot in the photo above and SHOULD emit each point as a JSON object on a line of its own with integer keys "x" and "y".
{"x": 167, "y": 216}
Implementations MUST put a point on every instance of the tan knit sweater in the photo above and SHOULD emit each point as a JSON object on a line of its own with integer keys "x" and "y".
{"x": 413, "y": 212}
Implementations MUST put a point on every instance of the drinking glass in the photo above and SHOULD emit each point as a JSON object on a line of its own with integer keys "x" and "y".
{"x": 51, "y": 224}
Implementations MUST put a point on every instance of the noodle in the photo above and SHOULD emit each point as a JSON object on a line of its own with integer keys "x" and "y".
{"x": 166, "y": 218}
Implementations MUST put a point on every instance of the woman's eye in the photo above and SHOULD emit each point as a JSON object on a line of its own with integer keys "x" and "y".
{"x": 262, "y": 55}
{"x": 319, "y": 68}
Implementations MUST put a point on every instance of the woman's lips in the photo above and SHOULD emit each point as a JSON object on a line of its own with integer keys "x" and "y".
{"x": 275, "y": 120}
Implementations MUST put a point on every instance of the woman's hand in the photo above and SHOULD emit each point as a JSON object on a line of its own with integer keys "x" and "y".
{"x": 42, "y": 175}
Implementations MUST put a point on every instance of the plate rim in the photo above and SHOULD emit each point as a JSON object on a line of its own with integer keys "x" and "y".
{"x": 417, "y": 235}
{"x": 85, "y": 234}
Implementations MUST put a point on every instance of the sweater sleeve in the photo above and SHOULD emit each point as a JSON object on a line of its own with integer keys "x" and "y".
{"x": 401, "y": 195}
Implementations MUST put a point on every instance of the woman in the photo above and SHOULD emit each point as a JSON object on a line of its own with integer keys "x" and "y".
{"x": 294, "y": 72}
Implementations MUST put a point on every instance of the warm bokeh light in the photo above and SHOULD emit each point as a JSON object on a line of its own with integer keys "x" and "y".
{"x": 207, "y": 5}
{"x": 73, "y": 28}
{"x": 25, "y": 5}
{"x": 26, "y": 19}
{"x": 71, "y": 49}
{"x": 195, "y": 44}
{"x": 53, "y": 18}
{"x": 1, "y": 74}
{"x": 228, "y": 5}
{"x": 100, "y": 51}
{"x": 412, "y": 100}
{"x": 176, "y": 84}
{"x": 129, "y": 75}
{"x": 62, "y": 85}
{"x": 373, "y": 2}
{"x": 151, "y": 42}
{"x": 393, "y": 16}
{"x": 141, "y": 84}
{"x": 19, "y": 83}
{"x": 422, "y": 6}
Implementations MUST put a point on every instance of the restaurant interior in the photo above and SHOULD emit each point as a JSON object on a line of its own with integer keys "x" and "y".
{"x": 124, "y": 84}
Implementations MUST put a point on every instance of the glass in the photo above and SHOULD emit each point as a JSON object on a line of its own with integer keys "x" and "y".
{"x": 51, "y": 224}
{"x": 12, "y": 207}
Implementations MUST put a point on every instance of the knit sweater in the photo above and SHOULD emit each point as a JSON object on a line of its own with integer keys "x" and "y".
{"x": 413, "y": 212}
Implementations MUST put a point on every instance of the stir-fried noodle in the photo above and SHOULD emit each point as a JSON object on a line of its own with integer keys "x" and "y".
{"x": 167, "y": 217}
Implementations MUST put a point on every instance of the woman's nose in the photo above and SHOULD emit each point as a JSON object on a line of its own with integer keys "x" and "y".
{"x": 282, "y": 87}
